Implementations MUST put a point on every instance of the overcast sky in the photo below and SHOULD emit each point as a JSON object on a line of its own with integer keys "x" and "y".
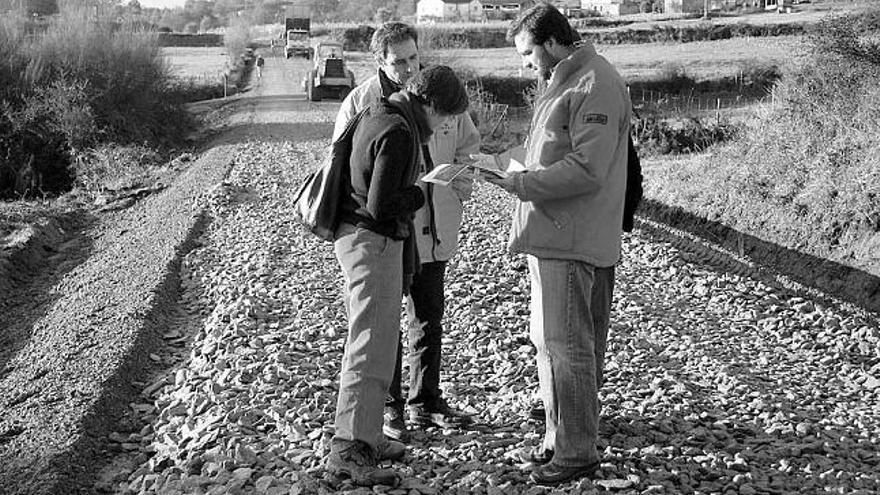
{"x": 161, "y": 3}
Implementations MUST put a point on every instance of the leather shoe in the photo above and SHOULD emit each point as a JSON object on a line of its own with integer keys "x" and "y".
{"x": 537, "y": 412}
{"x": 536, "y": 455}
{"x": 393, "y": 425}
{"x": 438, "y": 413}
{"x": 390, "y": 450}
{"x": 551, "y": 474}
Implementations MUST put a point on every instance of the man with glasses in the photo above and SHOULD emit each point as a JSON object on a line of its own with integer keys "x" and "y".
{"x": 395, "y": 48}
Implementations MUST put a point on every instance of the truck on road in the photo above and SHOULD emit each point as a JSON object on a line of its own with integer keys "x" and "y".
{"x": 297, "y": 33}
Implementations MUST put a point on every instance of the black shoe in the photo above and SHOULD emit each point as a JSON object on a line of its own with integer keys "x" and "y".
{"x": 356, "y": 462}
{"x": 551, "y": 474}
{"x": 390, "y": 450}
{"x": 537, "y": 456}
{"x": 393, "y": 426}
{"x": 537, "y": 412}
{"x": 438, "y": 413}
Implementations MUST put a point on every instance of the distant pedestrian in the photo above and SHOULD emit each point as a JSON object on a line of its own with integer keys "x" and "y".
{"x": 568, "y": 223}
{"x": 259, "y": 63}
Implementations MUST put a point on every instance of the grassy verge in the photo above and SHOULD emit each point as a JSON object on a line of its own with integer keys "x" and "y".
{"x": 805, "y": 171}
{"x": 75, "y": 84}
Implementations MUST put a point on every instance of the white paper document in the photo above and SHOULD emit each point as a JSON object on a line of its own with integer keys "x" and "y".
{"x": 445, "y": 173}
{"x": 501, "y": 165}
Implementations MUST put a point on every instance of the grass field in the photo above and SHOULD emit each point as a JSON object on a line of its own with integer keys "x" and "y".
{"x": 196, "y": 62}
{"x": 701, "y": 60}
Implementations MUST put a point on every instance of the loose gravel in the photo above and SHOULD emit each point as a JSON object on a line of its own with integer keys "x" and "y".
{"x": 717, "y": 381}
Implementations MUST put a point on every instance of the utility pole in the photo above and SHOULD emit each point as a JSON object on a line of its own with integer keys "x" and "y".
{"x": 705, "y": 9}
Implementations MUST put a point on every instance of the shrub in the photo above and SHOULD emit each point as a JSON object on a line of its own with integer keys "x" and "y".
{"x": 805, "y": 171}
{"x": 113, "y": 167}
{"x": 676, "y": 136}
{"x": 78, "y": 84}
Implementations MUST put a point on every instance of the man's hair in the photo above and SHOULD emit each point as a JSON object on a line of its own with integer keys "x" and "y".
{"x": 544, "y": 21}
{"x": 391, "y": 33}
{"x": 439, "y": 86}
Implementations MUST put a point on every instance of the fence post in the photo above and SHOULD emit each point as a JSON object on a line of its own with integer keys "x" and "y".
{"x": 225, "y": 83}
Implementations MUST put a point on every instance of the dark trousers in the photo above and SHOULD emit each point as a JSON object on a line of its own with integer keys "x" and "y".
{"x": 424, "y": 317}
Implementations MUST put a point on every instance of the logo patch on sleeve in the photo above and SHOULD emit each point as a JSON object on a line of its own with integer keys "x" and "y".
{"x": 595, "y": 118}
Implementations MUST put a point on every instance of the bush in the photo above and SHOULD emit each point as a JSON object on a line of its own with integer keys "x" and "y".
{"x": 676, "y": 136}
{"x": 78, "y": 84}
{"x": 805, "y": 172}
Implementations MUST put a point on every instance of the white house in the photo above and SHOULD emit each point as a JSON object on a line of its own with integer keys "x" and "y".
{"x": 611, "y": 7}
{"x": 449, "y": 11}
{"x": 683, "y": 6}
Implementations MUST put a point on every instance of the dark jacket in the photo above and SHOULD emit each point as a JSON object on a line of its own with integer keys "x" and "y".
{"x": 380, "y": 194}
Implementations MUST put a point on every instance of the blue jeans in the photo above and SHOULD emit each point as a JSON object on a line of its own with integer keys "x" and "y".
{"x": 570, "y": 308}
{"x": 373, "y": 268}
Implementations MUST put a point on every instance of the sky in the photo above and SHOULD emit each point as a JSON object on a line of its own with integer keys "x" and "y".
{"x": 162, "y": 3}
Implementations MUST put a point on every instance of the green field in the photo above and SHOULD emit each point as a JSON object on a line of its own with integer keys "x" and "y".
{"x": 196, "y": 62}
{"x": 701, "y": 60}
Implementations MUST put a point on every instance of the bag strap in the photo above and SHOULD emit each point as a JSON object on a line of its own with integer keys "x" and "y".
{"x": 351, "y": 125}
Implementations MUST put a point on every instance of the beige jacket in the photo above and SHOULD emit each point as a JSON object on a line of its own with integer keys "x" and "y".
{"x": 571, "y": 196}
{"x": 457, "y": 138}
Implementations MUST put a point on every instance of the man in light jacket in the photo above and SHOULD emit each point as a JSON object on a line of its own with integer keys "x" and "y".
{"x": 395, "y": 47}
{"x": 568, "y": 223}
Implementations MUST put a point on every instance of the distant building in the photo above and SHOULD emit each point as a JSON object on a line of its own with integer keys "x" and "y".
{"x": 449, "y": 11}
{"x": 683, "y": 6}
{"x": 611, "y": 7}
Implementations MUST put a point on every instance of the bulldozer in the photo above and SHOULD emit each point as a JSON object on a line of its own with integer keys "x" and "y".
{"x": 328, "y": 77}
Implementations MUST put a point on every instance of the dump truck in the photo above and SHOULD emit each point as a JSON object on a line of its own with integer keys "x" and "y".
{"x": 298, "y": 37}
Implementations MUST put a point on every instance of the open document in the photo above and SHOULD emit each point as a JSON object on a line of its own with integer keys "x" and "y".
{"x": 445, "y": 173}
{"x": 501, "y": 165}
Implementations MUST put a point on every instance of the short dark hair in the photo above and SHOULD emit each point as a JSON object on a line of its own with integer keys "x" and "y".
{"x": 439, "y": 86}
{"x": 544, "y": 21}
{"x": 391, "y": 33}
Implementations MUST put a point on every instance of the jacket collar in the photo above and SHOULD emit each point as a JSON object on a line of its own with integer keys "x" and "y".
{"x": 573, "y": 63}
{"x": 386, "y": 86}
{"x": 413, "y": 111}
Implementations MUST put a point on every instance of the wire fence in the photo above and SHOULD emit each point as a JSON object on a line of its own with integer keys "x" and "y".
{"x": 688, "y": 103}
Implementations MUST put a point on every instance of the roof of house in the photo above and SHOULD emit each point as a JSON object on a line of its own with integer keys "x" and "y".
{"x": 500, "y": 2}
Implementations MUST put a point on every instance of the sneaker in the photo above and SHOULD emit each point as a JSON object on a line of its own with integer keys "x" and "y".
{"x": 551, "y": 474}
{"x": 394, "y": 427}
{"x": 390, "y": 450}
{"x": 355, "y": 462}
{"x": 536, "y": 455}
{"x": 438, "y": 413}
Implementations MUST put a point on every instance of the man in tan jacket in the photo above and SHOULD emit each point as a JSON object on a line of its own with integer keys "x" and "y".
{"x": 568, "y": 224}
{"x": 395, "y": 48}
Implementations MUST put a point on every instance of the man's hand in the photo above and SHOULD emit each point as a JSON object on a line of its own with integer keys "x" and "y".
{"x": 507, "y": 183}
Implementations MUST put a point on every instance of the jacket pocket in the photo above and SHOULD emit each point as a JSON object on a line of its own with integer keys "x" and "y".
{"x": 548, "y": 228}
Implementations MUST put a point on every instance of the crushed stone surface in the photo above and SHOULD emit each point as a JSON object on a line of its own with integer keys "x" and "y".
{"x": 717, "y": 381}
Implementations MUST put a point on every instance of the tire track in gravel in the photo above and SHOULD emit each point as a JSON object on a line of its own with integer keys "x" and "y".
{"x": 719, "y": 377}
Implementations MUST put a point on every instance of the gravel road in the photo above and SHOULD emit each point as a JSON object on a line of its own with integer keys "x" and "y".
{"x": 720, "y": 377}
